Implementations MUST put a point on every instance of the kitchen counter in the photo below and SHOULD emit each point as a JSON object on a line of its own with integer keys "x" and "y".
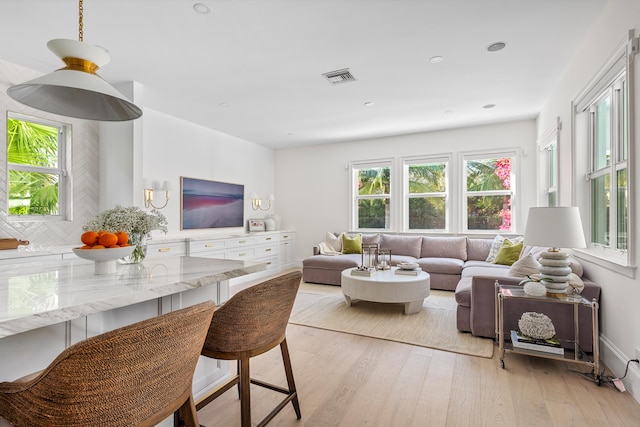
{"x": 39, "y": 294}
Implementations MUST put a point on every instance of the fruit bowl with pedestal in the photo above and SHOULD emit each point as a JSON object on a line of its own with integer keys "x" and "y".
{"x": 105, "y": 259}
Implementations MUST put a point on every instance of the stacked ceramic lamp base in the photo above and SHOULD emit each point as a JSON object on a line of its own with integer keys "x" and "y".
{"x": 554, "y": 272}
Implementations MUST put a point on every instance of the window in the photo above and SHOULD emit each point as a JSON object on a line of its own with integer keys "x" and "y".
{"x": 548, "y": 167}
{"x": 426, "y": 190}
{"x": 371, "y": 185}
{"x": 601, "y": 143}
{"x": 489, "y": 192}
{"x": 36, "y": 167}
{"x": 608, "y": 172}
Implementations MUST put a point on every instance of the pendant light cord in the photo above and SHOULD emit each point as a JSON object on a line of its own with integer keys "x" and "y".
{"x": 80, "y": 16}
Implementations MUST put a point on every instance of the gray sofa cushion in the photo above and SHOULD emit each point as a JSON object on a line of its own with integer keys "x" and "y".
{"x": 333, "y": 262}
{"x": 444, "y": 247}
{"x": 441, "y": 265}
{"x": 478, "y": 249}
{"x": 489, "y": 269}
{"x": 401, "y": 245}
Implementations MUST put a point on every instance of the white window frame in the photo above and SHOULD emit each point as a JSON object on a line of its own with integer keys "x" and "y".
{"x": 548, "y": 166}
{"x": 64, "y": 184}
{"x": 410, "y": 161}
{"x": 465, "y": 194}
{"x": 354, "y": 167}
{"x": 619, "y": 67}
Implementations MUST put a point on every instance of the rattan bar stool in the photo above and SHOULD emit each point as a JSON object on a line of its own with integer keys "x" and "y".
{"x": 137, "y": 375}
{"x": 252, "y": 322}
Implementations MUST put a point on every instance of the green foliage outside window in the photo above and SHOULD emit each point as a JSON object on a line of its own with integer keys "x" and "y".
{"x": 32, "y": 150}
{"x": 373, "y": 212}
{"x": 427, "y": 211}
{"x": 489, "y": 211}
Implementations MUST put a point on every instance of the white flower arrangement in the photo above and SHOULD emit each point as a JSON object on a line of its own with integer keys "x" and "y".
{"x": 131, "y": 220}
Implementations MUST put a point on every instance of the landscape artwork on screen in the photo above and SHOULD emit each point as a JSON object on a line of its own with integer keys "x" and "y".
{"x": 211, "y": 204}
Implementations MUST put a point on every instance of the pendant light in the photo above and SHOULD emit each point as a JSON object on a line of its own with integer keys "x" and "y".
{"x": 76, "y": 90}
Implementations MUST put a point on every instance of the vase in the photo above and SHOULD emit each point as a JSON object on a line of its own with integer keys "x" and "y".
{"x": 140, "y": 250}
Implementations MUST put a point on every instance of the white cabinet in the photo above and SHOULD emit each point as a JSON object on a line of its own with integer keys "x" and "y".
{"x": 162, "y": 249}
{"x": 287, "y": 249}
{"x": 275, "y": 248}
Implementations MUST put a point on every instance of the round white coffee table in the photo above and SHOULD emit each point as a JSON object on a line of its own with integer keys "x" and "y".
{"x": 387, "y": 286}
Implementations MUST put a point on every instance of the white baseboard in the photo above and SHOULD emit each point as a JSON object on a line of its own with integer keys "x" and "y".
{"x": 616, "y": 362}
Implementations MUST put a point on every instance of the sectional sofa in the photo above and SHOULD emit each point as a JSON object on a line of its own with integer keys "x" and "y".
{"x": 459, "y": 264}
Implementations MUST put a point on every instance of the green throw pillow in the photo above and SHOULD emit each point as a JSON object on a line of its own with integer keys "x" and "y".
{"x": 508, "y": 253}
{"x": 351, "y": 245}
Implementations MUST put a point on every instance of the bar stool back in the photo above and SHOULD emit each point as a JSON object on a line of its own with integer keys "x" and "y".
{"x": 137, "y": 375}
{"x": 252, "y": 322}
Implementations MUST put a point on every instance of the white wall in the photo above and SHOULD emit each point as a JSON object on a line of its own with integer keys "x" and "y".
{"x": 173, "y": 148}
{"x": 312, "y": 183}
{"x": 619, "y": 314}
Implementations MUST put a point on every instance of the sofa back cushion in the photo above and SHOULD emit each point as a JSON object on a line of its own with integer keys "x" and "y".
{"x": 478, "y": 249}
{"x": 371, "y": 239}
{"x": 401, "y": 245}
{"x": 444, "y": 247}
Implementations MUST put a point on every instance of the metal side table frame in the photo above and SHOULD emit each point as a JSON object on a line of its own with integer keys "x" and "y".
{"x": 577, "y": 355}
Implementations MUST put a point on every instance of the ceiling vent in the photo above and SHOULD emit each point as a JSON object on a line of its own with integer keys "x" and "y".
{"x": 339, "y": 76}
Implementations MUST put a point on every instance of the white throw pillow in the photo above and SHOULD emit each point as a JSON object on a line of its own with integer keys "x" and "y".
{"x": 334, "y": 241}
{"x": 495, "y": 247}
{"x": 525, "y": 266}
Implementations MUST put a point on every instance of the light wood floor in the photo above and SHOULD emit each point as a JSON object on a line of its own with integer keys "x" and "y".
{"x": 347, "y": 380}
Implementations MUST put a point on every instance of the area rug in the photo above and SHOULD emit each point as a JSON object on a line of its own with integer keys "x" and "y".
{"x": 324, "y": 307}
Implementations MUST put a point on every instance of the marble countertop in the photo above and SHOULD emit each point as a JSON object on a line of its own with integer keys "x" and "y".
{"x": 37, "y": 294}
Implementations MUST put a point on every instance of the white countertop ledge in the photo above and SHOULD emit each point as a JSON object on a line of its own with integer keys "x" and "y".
{"x": 38, "y": 294}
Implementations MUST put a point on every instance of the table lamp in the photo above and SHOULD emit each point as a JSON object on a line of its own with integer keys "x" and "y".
{"x": 554, "y": 227}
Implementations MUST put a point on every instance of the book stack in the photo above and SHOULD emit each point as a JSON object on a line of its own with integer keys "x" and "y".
{"x": 356, "y": 272}
{"x": 551, "y": 345}
{"x": 412, "y": 272}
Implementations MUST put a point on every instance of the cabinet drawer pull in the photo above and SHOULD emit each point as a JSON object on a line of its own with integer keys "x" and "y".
{"x": 268, "y": 250}
{"x": 209, "y": 245}
{"x": 268, "y": 238}
{"x": 269, "y": 263}
{"x": 285, "y": 237}
{"x": 164, "y": 249}
{"x": 242, "y": 241}
{"x": 242, "y": 254}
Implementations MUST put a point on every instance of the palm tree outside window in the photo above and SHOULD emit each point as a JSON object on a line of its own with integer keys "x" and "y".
{"x": 35, "y": 166}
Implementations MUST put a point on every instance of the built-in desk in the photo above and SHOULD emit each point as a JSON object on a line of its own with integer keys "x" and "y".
{"x": 48, "y": 305}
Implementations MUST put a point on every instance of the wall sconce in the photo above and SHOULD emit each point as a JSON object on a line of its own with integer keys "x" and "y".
{"x": 256, "y": 203}
{"x": 150, "y": 189}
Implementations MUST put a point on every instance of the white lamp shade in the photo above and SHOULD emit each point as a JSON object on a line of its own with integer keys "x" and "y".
{"x": 76, "y": 93}
{"x": 558, "y": 227}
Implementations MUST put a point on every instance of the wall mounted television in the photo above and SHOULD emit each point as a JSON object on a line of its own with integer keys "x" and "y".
{"x": 210, "y": 204}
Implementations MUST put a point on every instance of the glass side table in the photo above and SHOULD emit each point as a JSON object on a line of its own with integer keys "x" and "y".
{"x": 576, "y": 355}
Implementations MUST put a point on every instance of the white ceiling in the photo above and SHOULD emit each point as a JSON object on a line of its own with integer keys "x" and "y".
{"x": 253, "y": 68}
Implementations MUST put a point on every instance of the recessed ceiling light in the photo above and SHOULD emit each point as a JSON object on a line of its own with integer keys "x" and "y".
{"x": 436, "y": 59}
{"x": 496, "y": 46}
{"x": 223, "y": 104}
{"x": 488, "y": 106}
{"x": 448, "y": 112}
{"x": 201, "y": 8}
{"x": 368, "y": 104}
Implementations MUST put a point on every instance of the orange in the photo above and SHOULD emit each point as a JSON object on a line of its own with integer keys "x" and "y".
{"x": 107, "y": 239}
{"x": 89, "y": 238}
{"x": 123, "y": 237}
{"x": 97, "y": 247}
